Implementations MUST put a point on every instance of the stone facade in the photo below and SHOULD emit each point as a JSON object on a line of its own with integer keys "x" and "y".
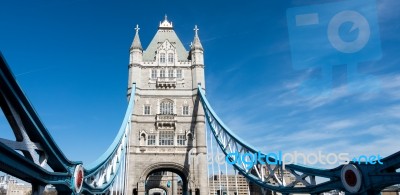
{"x": 168, "y": 123}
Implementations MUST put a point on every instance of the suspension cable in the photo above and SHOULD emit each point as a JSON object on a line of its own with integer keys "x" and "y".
{"x": 236, "y": 183}
{"x": 126, "y": 180}
{"x": 226, "y": 175}
{"x": 212, "y": 162}
{"x": 208, "y": 170}
{"x": 219, "y": 172}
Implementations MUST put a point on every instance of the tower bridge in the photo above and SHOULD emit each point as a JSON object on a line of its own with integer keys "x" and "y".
{"x": 162, "y": 144}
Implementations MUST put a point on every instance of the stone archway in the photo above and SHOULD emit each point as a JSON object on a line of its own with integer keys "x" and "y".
{"x": 157, "y": 189}
{"x": 176, "y": 168}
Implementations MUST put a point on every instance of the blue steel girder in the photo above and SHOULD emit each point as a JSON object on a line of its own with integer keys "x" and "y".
{"x": 41, "y": 162}
{"x": 354, "y": 178}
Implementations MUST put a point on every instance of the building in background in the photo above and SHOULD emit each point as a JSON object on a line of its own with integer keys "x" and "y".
{"x": 228, "y": 184}
{"x": 12, "y": 186}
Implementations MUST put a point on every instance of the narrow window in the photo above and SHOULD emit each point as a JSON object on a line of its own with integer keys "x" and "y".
{"x": 162, "y": 73}
{"x": 153, "y": 73}
{"x": 151, "y": 141}
{"x": 179, "y": 73}
{"x": 170, "y": 58}
{"x": 162, "y": 57}
{"x": 170, "y": 73}
{"x": 185, "y": 110}
{"x": 147, "y": 109}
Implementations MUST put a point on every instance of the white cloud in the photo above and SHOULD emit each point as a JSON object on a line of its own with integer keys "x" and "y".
{"x": 341, "y": 124}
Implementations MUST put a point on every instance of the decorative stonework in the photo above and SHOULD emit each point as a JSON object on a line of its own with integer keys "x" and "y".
{"x": 165, "y": 122}
{"x": 166, "y": 83}
{"x": 165, "y": 136}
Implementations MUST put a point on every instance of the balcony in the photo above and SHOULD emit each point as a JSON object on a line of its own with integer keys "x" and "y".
{"x": 166, "y": 82}
{"x": 164, "y": 121}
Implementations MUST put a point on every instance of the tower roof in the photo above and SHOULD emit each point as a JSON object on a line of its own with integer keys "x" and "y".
{"x": 196, "y": 44}
{"x": 165, "y": 32}
{"x": 136, "y": 40}
{"x": 165, "y": 24}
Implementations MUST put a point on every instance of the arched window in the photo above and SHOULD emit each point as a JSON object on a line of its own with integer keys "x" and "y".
{"x": 142, "y": 139}
{"x": 166, "y": 107}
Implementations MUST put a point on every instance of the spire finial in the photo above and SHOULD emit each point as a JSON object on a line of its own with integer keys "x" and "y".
{"x": 136, "y": 40}
{"x": 137, "y": 28}
{"x": 165, "y": 24}
{"x": 196, "y": 41}
{"x": 195, "y": 30}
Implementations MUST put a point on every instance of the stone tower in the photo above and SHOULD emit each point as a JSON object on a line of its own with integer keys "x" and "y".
{"x": 168, "y": 123}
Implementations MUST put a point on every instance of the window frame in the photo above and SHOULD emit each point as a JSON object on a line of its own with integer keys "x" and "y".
{"x": 166, "y": 138}
{"x": 185, "y": 110}
{"x": 181, "y": 140}
{"x": 167, "y": 107}
{"x": 153, "y": 73}
{"x": 151, "y": 140}
{"x": 179, "y": 73}
{"x": 162, "y": 58}
{"x": 171, "y": 73}
{"x": 145, "y": 109}
{"x": 162, "y": 73}
{"x": 170, "y": 58}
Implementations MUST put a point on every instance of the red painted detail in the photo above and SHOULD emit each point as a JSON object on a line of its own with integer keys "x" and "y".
{"x": 79, "y": 179}
{"x": 350, "y": 177}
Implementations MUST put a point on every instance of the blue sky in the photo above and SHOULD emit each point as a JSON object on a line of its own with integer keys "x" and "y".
{"x": 71, "y": 59}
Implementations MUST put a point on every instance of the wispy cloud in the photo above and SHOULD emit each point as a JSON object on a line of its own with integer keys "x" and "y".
{"x": 32, "y": 71}
{"x": 281, "y": 119}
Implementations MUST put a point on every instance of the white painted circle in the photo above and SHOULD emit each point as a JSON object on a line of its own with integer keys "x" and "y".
{"x": 351, "y": 178}
{"x": 359, "y": 22}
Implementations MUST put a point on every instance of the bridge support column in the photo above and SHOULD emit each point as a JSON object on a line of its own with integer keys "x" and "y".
{"x": 201, "y": 150}
{"x": 174, "y": 184}
{"x": 38, "y": 189}
{"x": 141, "y": 188}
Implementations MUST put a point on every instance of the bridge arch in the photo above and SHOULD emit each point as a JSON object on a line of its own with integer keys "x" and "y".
{"x": 164, "y": 188}
{"x": 179, "y": 169}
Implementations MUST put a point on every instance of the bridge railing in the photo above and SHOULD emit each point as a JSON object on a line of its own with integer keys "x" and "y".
{"x": 41, "y": 161}
{"x": 101, "y": 175}
{"x": 269, "y": 172}
{"x": 35, "y": 157}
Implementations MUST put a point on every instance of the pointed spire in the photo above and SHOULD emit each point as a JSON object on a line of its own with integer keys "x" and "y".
{"x": 196, "y": 41}
{"x": 195, "y": 30}
{"x": 136, "y": 41}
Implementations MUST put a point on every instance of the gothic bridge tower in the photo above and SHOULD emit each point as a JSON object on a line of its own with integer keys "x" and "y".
{"x": 168, "y": 122}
